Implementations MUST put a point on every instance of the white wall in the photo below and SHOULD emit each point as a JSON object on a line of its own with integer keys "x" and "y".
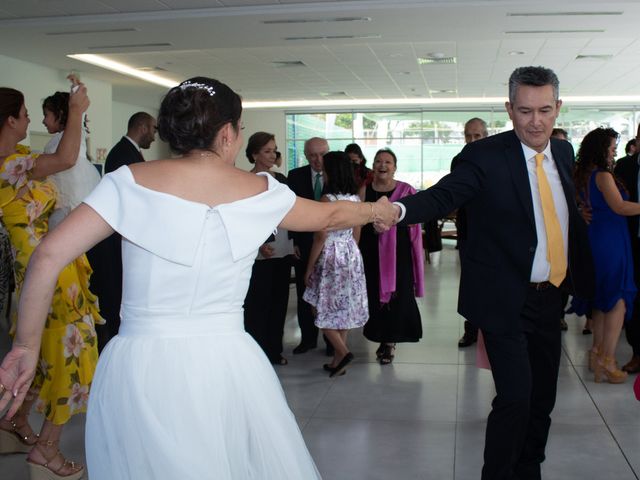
{"x": 37, "y": 82}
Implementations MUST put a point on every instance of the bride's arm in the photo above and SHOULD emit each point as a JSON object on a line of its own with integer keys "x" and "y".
{"x": 82, "y": 229}
{"x": 310, "y": 216}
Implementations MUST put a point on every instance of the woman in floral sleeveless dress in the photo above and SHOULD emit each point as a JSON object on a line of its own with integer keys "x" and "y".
{"x": 68, "y": 352}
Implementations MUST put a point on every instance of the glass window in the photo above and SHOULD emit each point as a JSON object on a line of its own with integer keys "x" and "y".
{"x": 425, "y": 141}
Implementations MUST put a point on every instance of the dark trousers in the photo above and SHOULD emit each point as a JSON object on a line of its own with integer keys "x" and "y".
{"x": 632, "y": 327}
{"x": 105, "y": 259}
{"x": 524, "y": 365}
{"x": 265, "y": 306}
{"x": 308, "y": 330}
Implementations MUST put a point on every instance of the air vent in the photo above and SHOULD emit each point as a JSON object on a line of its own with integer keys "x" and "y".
{"x": 152, "y": 69}
{"x": 91, "y": 32}
{"x": 594, "y": 57}
{"x": 289, "y": 64}
{"x": 131, "y": 45}
{"x": 317, "y": 20}
{"x": 442, "y": 91}
{"x": 334, "y": 37}
{"x": 561, "y": 14}
{"x": 334, "y": 94}
{"x": 436, "y": 60}
{"x": 528, "y": 32}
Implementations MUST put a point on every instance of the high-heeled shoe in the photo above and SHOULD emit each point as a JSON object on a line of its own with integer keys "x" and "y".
{"x": 607, "y": 369}
{"x": 12, "y": 441}
{"x": 44, "y": 471}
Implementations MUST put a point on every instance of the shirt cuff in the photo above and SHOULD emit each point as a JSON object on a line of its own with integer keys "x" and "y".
{"x": 403, "y": 210}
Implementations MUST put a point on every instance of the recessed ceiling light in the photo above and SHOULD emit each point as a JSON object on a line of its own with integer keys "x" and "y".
{"x": 442, "y": 91}
{"x": 317, "y": 20}
{"x": 124, "y": 69}
{"x": 404, "y": 73}
{"x": 513, "y": 53}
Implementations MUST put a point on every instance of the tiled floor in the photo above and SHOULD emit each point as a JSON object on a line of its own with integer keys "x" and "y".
{"x": 423, "y": 417}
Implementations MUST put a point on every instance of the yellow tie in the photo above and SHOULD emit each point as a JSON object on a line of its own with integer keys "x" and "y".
{"x": 555, "y": 245}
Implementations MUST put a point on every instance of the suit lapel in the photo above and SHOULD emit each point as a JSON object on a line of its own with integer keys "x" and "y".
{"x": 518, "y": 168}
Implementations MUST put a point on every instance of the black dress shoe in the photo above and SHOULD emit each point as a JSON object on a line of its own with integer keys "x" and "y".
{"x": 340, "y": 368}
{"x": 470, "y": 335}
{"x": 467, "y": 340}
{"x": 302, "y": 348}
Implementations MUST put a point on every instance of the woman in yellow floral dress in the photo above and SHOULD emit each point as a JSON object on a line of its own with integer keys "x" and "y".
{"x": 68, "y": 352}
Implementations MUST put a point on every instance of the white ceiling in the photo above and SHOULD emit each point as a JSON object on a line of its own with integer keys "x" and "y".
{"x": 228, "y": 40}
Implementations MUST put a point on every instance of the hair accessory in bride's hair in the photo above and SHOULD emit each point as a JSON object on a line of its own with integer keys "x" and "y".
{"x": 201, "y": 86}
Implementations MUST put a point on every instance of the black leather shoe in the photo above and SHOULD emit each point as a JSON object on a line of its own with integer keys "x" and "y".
{"x": 470, "y": 335}
{"x": 302, "y": 348}
{"x": 340, "y": 368}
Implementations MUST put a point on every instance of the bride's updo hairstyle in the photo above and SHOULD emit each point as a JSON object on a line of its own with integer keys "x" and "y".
{"x": 192, "y": 114}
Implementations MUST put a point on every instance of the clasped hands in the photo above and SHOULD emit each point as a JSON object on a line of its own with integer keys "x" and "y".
{"x": 385, "y": 215}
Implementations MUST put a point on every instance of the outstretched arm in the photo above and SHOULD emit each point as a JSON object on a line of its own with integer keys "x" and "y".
{"x": 66, "y": 154}
{"x": 310, "y": 216}
{"x": 82, "y": 229}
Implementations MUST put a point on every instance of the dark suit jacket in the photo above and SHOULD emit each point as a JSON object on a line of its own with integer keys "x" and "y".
{"x": 122, "y": 153}
{"x": 493, "y": 184}
{"x": 626, "y": 170}
{"x": 299, "y": 181}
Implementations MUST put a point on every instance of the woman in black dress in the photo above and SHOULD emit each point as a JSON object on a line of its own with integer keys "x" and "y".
{"x": 394, "y": 267}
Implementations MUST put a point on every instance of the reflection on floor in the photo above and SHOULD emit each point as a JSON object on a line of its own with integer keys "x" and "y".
{"x": 423, "y": 417}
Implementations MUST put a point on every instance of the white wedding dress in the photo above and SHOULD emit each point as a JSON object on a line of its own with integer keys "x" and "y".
{"x": 182, "y": 392}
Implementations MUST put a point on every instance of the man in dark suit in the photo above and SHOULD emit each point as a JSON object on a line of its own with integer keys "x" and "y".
{"x": 106, "y": 256}
{"x": 306, "y": 182}
{"x": 525, "y": 241}
{"x": 627, "y": 170}
{"x": 475, "y": 129}
{"x": 141, "y": 132}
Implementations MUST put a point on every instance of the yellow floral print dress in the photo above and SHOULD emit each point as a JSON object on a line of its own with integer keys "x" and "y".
{"x": 69, "y": 353}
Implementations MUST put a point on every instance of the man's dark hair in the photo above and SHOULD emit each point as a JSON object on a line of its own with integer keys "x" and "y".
{"x": 533, "y": 77}
{"x": 138, "y": 119}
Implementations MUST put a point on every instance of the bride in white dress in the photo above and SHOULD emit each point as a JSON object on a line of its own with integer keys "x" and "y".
{"x": 182, "y": 392}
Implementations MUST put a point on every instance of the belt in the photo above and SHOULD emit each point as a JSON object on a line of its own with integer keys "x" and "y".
{"x": 541, "y": 285}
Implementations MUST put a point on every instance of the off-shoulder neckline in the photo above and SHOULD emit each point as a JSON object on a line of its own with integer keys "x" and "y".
{"x": 272, "y": 183}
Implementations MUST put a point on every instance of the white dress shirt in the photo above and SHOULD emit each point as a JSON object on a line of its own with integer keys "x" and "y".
{"x": 541, "y": 266}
